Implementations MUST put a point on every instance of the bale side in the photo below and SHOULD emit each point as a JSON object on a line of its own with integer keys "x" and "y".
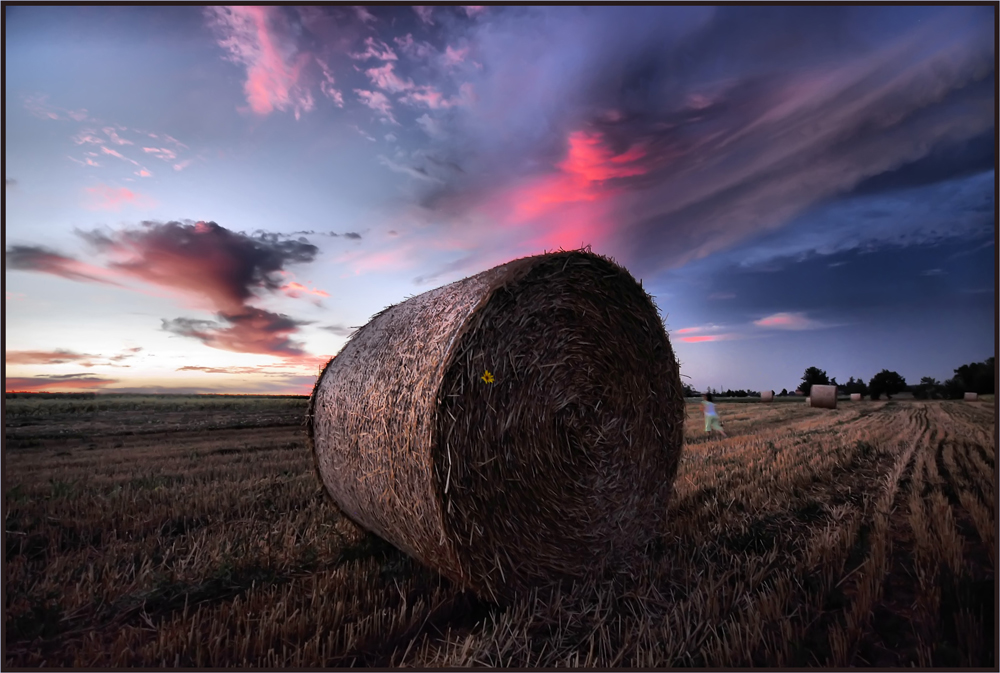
{"x": 971, "y": 397}
{"x": 855, "y": 397}
{"x": 823, "y": 397}
{"x": 767, "y": 396}
{"x": 560, "y": 467}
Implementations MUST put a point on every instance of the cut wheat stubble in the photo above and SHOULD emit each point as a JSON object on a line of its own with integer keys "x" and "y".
{"x": 558, "y": 469}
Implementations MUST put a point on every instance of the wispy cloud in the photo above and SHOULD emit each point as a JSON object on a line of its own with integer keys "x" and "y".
{"x": 788, "y": 321}
{"x": 425, "y": 13}
{"x": 256, "y": 37}
{"x": 377, "y": 101}
{"x": 104, "y": 197}
{"x": 418, "y": 173}
{"x": 58, "y": 356}
{"x": 63, "y": 383}
{"x": 375, "y": 49}
{"x": 39, "y": 106}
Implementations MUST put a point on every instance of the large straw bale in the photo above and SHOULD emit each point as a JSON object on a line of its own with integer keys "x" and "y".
{"x": 559, "y": 469}
{"x": 855, "y": 397}
{"x": 823, "y": 397}
{"x": 971, "y": 397}
{"x": 808, "y": 402}
{"x": 767, "y": 396}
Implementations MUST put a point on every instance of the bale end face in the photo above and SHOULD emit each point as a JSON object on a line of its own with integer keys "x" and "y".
{"x": 767, "y": 396}
{"x": 855, "y": 397}
{"x": 971, "y": 397}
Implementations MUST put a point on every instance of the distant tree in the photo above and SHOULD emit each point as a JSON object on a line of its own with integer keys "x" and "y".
{"x": 813, "y": 376}
{"x": 783, "y": 393}
{"x": 689, "y": 391}
{"x": 887, "y": 383}
{"x": 855, "y": 385}
{"x": 929, "y": 388}
{"x": 953, "y": 389}
{"x": 977, "y": 377}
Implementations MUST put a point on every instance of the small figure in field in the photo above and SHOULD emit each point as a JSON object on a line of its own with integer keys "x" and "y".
{"x": 712, "y": 421}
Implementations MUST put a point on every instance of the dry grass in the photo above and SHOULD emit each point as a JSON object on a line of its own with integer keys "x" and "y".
{"x": 861, "y": 536}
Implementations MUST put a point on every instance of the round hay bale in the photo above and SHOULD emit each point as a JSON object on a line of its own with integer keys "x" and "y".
{"x": 855, "y": 397}
{"x": 823, "y": 397}
{"x": 808, "y": 402}
{"x": 767, "y": 396}
{"x": 971, "y": 397}
{"x": 559, "y": 468}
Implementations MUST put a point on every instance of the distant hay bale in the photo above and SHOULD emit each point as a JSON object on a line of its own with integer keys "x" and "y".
{"x": 808, "y": 402}
{"x": 823, "y": 397}
{"x": 558, "y": 469}
{"x": 767, "y": 396}
{"x": 971, "y": 397}
{"x": 855, "y": 397}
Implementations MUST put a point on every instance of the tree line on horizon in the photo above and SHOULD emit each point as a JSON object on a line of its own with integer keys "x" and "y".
{"x": 975, "y": 377}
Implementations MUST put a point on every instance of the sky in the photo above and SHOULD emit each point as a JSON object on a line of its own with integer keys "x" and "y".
{"x": 210, "y": 199}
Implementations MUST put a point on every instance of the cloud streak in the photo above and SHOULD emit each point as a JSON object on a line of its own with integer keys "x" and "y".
{"x": 257, "y": 38}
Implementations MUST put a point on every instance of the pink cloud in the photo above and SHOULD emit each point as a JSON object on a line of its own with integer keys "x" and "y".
{"x": 364, "y": 15}
{"x": 707, "y": 337}
{"x": 115, "y": 138}
{"x": 252, "y": 36}
{"x": 375, "y": 49}
{"x": 385, "y": 78}
{"x": 103, "y": 197}
{"x": 39, "y": 106}
{"x": 160, "y": 153}
{"x": 66, "y": 383}
{"x": 296, "y": 290}
{"x": 377, "y": 101}
{"x": 144, "y": 173}
{"x": 87, "y": 137}
{"x": 326, "y": 86}
{"x": 181, "y": 165}
{"x": 788, "y": 321}
{"x": 108, "y": 150}
{"x": 412, "y": 48}
{"x": 435, "y": 100}
{"x": 453, "y": 57}
{"x": 424, "y": 13}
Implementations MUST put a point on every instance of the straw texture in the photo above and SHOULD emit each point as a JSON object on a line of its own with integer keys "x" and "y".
{"x": 823, "y": 397}
{"x": 855, "y": 397}
{"x": 767, "y": 396}
{"x": 971, "y": 397}
{"x": 558, "y": 469}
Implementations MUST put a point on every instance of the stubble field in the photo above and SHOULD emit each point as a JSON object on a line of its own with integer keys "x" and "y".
{"x": 153, "y": 532}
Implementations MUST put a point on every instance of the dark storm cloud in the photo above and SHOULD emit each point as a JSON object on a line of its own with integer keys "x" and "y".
{"x": 229, "y": 269}
{"x": 252, "y": 330}
{"x": 42, "y": 259}
{"x": 203, "y": 258}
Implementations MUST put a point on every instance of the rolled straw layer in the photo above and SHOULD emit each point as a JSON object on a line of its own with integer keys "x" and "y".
{"x": 558, "y": 469}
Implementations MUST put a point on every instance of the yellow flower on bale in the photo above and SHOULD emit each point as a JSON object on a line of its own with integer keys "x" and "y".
{"x": 487, "y": 377}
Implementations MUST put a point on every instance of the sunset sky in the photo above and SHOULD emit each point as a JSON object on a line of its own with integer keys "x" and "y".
{"x": 209, "y": 199}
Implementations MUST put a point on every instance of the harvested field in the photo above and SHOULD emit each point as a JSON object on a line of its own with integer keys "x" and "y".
{"x": 195, "y": 532}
